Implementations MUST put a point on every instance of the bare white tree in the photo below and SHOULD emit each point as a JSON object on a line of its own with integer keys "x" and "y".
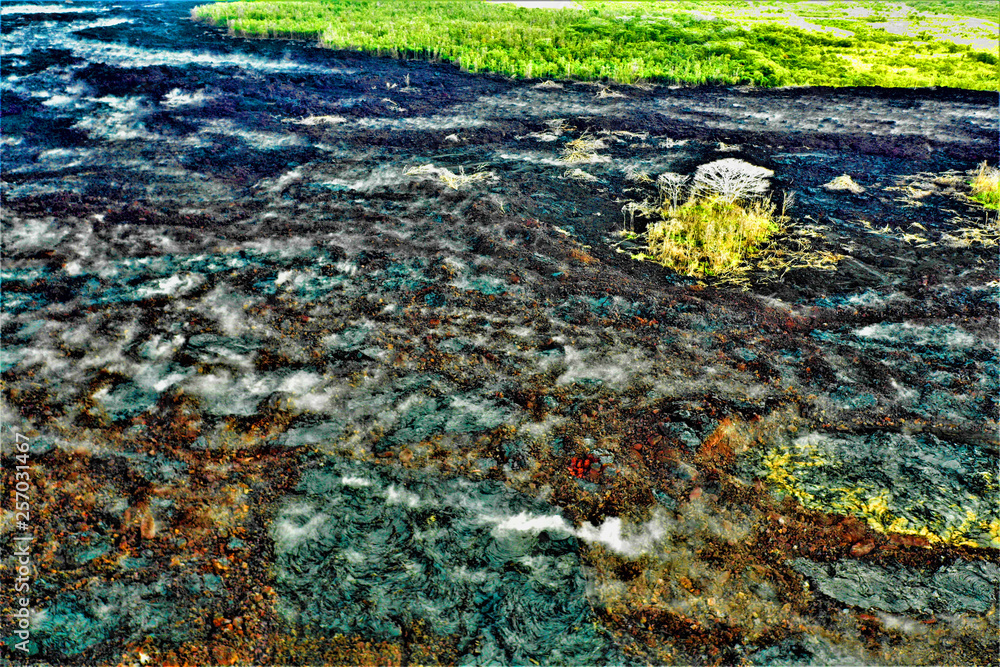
{"x": 731, "y": 179}
{"x": 671, "y": 186}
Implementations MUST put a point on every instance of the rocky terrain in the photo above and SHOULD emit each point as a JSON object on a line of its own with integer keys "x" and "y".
{"x": 323, "y": 358}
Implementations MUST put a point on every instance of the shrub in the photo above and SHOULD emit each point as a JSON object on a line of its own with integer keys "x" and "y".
{"x": 731, "y": 180}
{"x": 671, "y": 187}
{"x": 984, "y": 57}
{"x": 725, "y": 218}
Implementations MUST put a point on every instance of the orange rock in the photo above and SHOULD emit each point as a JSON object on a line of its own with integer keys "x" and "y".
{"x": 862, "y": 548}
{"x": 717, "y": 449}
{"x": 147, "y": 528}
{"x": 225, "y": 655}
{"x": 909, "y": 540}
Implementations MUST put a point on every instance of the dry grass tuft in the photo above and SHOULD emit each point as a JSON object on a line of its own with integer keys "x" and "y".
{"x": 583, "y": 149}
{"x": 637, "y": 175}
{"x": 966, "y": 234}
{"x": 605, "y": 92}
{"x": 986, "y": 186}
{"x": 448, "y": 177}
{"x": 557, "y": 125}
{"x": 844, "y": 183}
{"x": 986, "y": 234}
{"x": 793, "y": 251}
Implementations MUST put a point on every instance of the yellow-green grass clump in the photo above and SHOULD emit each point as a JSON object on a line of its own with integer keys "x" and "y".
{"x": 710, "y": 236}
{"x": 710, "y": 226}
{"x": 986, "y": 186}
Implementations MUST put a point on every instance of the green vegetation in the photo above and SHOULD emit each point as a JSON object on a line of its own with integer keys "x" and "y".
{"x": 710, "y": 237}
{"x": 982, "y": 9}
{"x": 630, "y": 42}
{"x": 986, "y": 186}
{"x": 711, "y": 226}
{"x": 720, "y": 225}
